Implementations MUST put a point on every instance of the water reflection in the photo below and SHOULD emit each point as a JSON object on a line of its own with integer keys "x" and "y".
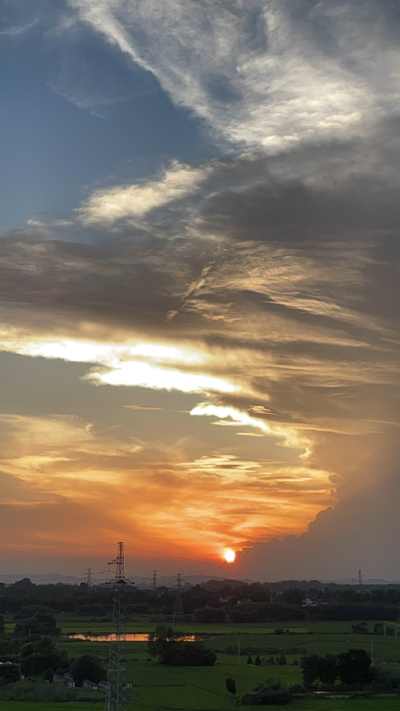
{"x": 129, "y": 637}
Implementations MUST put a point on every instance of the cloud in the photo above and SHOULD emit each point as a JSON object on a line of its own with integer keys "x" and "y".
{"x": 143, "y": 407}
{"x": 262, "y": 72}
{"x": 264, "y": 291}
{"x": 361, "y": 532}
{"x": 62, "y": 460}
{"x": 135, "y": 201}
{"x": 18, "y": 30}
{"x": 88, "y": 77}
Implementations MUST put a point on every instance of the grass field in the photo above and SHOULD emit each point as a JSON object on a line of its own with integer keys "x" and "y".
{"x": 50, "y": 706}
{"x": 157, "y": 687}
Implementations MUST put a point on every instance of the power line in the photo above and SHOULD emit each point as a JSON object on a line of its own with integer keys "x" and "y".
{"x": 116, "y": 671}
{"x": 178, "y": 606}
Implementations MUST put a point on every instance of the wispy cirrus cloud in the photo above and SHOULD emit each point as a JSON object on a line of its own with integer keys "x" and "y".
{"x": 263, "y": 72}
{"x": 18, "y": 30}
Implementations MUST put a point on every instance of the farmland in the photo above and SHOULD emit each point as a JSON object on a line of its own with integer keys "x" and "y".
{"x": 278, "y": 646}
{"x": 203, "y": 688}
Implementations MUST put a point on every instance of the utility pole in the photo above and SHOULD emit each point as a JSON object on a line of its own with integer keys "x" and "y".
{"x": 115, "y": 674}
{"x": 238, "y": 649}
{"x": 154, "y": 581}
{"x": 178, "y": 606}
{"x": 372, "y": 653}
{"x": 360, "y": 578}
{"x": 89, "y": 577}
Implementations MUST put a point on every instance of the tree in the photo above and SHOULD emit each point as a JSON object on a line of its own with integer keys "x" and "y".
{"x": 249, "y": 660}
{"x": 31, "y": 611}
{"x": 328, "y": 670}
{"x": 40, "y": 655}
{"x": 43, "y": 623}
{"x": 87, "y": 667}
{"x": 210, "y": 614}
{"x": 171, "y": 649}
{"x": 9, "y": 674}
{"x": 231, "y": 685}
{"x": 257, "y": 660}
{"x": 282, "y": 660}
{"x": 310, "y": 668}
{"x": 354, "y": 667}
{"x": 2, "y": 626}
{"x": 360, "y": 628}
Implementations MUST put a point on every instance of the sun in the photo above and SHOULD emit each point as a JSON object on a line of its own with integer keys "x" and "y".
{"x": 230, "y": 555}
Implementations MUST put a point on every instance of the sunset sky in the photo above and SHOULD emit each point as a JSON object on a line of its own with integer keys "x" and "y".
{"x": 199, "y": 286}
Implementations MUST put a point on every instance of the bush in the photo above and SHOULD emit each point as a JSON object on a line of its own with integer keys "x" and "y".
{"x": 230, "y": 685}
{"x": 209, "y": 614}
{"x": 31, "y": 611}
{"x": 266, "y": 696}
{"x": 9, "y": 673}
{"x": 166, "y": 644}
{"x": 360, "y": 628}
{"x": 297, "y": 689}
{"x": 36, "y": 690}
{"x": 141, "y": 608}
{"x": 385, "y": 681}
{"x": 247, "y": 615}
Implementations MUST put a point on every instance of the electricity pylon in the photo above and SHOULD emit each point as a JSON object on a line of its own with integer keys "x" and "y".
{"x": 89, "y": 578}
{"x": 178, "y": 606}
{"x": 116, "y": 671}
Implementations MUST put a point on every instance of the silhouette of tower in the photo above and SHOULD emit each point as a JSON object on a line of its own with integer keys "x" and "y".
{"x": 89, "y": 577}
{"x": 154, "y": 581}
{"x": 116, "y": 671}
{"x": 360, "y": 578}
{"x": 178, "y": 606}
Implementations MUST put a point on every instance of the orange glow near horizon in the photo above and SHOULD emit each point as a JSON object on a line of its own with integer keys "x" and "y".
{"x": 229, "y": 555}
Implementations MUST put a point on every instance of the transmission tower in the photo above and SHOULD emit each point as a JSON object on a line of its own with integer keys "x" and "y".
{"x": 178, "y": 606}
{"x": 360, "y": 578}
{"x": 154, "y": 581}
{"x": 89, "y": 577}
{"x": 116, "y": 670}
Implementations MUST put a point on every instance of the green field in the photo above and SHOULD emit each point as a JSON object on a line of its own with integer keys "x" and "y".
{"x": 159, "y": 687}
{"x": 43, "y": 706}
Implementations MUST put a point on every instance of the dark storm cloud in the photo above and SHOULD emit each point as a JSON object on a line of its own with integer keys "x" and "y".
{"x": 361, "y": 532}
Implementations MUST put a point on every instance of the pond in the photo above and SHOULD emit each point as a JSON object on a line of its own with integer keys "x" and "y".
{"x": 129, "y": 637}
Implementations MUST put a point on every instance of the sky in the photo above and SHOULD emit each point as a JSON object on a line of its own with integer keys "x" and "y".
{"x": 199, "y": 286}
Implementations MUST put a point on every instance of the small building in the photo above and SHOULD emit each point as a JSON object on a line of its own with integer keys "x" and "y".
{"x": 57, "y": 677}
{"x": 69, "y": 680}
{"x": 104, "y": 685}
{"x": 128, "y": 685}
{"x": 307, "y": 602}
{"x": 87, "y": 684}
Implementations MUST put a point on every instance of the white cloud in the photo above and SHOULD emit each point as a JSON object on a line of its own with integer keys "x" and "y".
{"x": 253, "y": 71}
{"x": 135, "y": 201}
{"x": 150, "y": 365}
{"x": 18, "y": 29}
{"x": 291, "y": 437}
{"x": 151, "y": 376}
